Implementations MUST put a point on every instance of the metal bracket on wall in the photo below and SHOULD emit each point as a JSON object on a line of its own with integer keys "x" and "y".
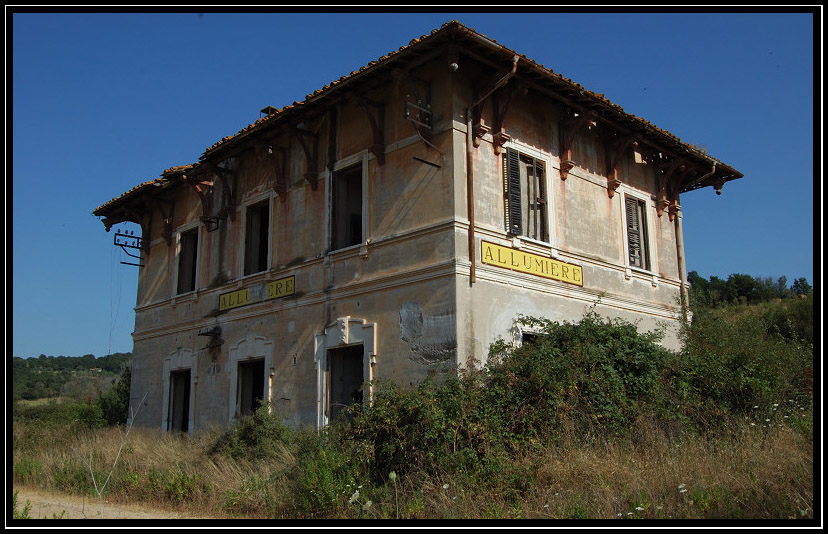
{"x": 128, "y": 240}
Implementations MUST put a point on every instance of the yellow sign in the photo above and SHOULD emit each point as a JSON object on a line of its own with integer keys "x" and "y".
{"x": 276, "y": 289}
{"x": 281, "y": 288}
{"x": 234, "y": 299}
{"x": 526, "y": 262}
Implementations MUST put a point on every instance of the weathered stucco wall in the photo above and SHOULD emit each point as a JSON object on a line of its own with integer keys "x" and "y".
{"x": 406, "y": 286}
{"x": 399, "y": 279}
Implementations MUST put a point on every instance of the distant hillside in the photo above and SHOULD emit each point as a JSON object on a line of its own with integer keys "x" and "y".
{"x": 82, "y": 377}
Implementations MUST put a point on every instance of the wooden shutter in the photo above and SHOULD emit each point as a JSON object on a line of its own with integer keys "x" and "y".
{"x": 511, "y": 189}
{"x": 636, "y": 233}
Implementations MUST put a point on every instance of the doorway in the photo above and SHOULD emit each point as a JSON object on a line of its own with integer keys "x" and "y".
{"x": 251, "y": 385}
{"x": 345, "y": 379}
{"x": 178, "y": 418}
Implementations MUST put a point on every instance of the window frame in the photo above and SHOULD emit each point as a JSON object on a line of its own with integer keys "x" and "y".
{"x": 343, "y": 166}
{"x": 187, "y": 229}
{"x": 251, "y": 204}
{"x": 647, "y": 251}
{"x": 513, "y": 191}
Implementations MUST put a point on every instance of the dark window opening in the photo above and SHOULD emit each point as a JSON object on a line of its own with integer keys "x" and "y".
{"x": 250, "y": 386}
{"x": 256, "y": 238}
{"x": 188, "y": 261}
{"x": 346, "y": 216}
{"x": 345, "y": 379}
{"x": 178, "y": 418}
{"x": 524, "y": 181}
{"x": 637, "y": 243}
{"x": 528, "y": 337}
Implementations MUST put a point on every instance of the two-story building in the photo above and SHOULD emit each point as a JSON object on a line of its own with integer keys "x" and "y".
{"x": 395, "y": 223}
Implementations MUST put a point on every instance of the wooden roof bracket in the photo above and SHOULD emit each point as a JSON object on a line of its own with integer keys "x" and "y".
{"x": 166, "y": 219}
{"x": 377, "y": 118}
{"x": 479, "y": 128}
{"x": 204, "y": 189}
{"x": 668, "y": 193}
{"x": 280, "y": 184}
{"x": 268, "y": 150}
{"x": 500, "y": 101}
{"x": 616, "y": 152}
{"x": 222, "y": 173}
{"x": 311, "y": 173}
{"x": 569, "y": 128}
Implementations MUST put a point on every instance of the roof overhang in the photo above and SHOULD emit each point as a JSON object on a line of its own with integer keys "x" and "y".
{"x": 690, "y": 167}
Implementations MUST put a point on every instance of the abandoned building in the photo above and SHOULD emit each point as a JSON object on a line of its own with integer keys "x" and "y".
{"x": 397, "y": 222}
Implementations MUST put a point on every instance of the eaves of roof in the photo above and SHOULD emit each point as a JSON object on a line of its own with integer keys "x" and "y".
{"x": 149, "y": 187}
{"x": 576, "y": 95}
{"x": 570, "y": 91}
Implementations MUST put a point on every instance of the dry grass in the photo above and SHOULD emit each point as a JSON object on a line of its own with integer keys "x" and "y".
{"x": 752, "y": 472}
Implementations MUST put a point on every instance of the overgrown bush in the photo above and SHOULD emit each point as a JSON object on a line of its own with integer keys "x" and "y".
{"x": 114, "y": 402}
{"x": 80, "y": 413}
{"x": 736, "y": 361}
{"x": 254, "y": 436}
{"x": 793, "y": 320}
{"x": 590, "y": 378}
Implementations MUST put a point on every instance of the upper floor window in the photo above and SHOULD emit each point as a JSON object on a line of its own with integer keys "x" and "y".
{"x": 187, "y": 260}
{"x": 524, "y": 185}
{"x": 257, "y": 238}
{"x": 346, "y": 208}
{"x": 638, "y": 244}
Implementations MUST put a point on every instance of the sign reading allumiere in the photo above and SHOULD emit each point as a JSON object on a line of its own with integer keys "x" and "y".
{"x": 273, "y": 290}
{"x": 526, "y": 262}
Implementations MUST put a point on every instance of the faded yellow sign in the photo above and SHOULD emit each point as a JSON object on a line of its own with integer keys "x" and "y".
{"x": 281, "y": 288}
{"x": 234, "y": 299}
{"x": 273, "y": 290}
{"x": 526, "y": 262}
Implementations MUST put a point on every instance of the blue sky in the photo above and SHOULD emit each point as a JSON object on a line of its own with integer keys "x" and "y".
{"x": 99, "y": 103}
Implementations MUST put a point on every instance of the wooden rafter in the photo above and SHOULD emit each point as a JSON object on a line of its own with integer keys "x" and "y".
{"x": 569, "y": 129}
{"x": 501, "y": 100}
{"x": 376, "y": 117}
{"x": 616, "y": 152}
{"x": 224, "y": 175}
{"x": 166, "y": 219}
{"x": 311, "y": 173}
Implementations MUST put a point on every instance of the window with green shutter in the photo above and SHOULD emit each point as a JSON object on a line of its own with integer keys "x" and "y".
{"x": 637, "y": 240}
{"x": 524, "y": 188}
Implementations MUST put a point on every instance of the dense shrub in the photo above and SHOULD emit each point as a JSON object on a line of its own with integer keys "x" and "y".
{"x": 438, "y": 425}
{"x": 114, "y": 402}
{"x": 254, "y": 436}
{"x": 53, "y": 413}
{"x": 736, "y": 360}
{"x": 793, "y": 320}
{"x": 593, "y": 377}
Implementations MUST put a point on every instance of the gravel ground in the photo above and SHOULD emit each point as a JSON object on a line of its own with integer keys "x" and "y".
{"x": 49, "y": 505}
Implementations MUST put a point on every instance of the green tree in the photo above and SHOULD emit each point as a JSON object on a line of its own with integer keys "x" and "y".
{"x": 115, "y": 402}
{"x": 801, "y": 287}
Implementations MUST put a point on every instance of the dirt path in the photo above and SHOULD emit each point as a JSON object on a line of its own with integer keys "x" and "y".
{"x": 49, "y": 505}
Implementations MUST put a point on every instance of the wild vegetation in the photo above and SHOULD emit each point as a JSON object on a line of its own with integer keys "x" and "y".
{"x": 72, "y": 378}
{"x": 591, "y": 420}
